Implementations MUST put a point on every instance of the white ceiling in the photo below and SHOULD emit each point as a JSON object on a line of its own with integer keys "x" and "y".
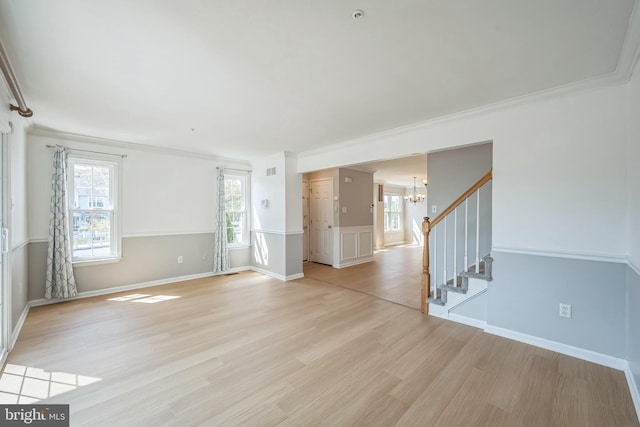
{"x": 248, "y": 78}
{"x": 398, "y": 171}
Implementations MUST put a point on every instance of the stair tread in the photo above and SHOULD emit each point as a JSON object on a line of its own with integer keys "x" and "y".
{"x": 453, "y": 289}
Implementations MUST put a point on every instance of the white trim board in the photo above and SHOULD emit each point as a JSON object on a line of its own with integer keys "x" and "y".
{"x": 18, "y": 327}
{"x": 558, "y": 347}
{"x": 588, "y": 256}
{"x": 633, "y": 389}
{"x": 469, "y": 321}
{"x": 124, "y": 288}
{"x": 20, "y": 245}
{"x": 634, "y": 268}
{"x": 579, "y": 353}
{"x": 276, "y": 275}
{"x": 277, "y": 232}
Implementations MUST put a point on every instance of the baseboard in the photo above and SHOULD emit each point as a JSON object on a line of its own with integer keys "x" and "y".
{"x": 18, "y": 327}
{"x": 3, "y": 359}
{"x": 558, "y": 347}
{"x": 276, "y": 275}
{"x": 469, "y": 321}
{"x": 107, "y": 291}
{"x": 354, "y": 262}
{"x": 633, "y": 389}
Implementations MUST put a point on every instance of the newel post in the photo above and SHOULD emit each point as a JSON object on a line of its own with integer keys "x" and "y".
{"x": 426, "y": 276}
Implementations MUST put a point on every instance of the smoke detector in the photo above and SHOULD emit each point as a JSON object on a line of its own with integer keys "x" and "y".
{"x": 357, "y": 14}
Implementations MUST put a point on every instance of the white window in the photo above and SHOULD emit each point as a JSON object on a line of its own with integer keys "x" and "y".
{"x": 392, "y": 212}
{"x": 93, "y": 184}
{"x": 236, "y": 202}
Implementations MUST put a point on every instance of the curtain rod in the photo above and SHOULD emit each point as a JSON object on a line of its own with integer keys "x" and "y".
{"x": 233, "y": 170}
{"x": 124, "y": 156}
{"x": 12, "y": 82}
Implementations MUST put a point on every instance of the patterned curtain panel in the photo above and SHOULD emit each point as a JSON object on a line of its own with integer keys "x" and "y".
{"x": 220, "y": 252}
{"x": 60, "y": 282}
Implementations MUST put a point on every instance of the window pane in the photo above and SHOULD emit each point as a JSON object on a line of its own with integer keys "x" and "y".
{"x": 91, "y": 186}
{"x": 235, "y": 209}
{"x": 92, "y": 234}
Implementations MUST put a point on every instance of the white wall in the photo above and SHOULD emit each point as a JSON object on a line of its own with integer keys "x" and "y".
{"x": 395, "y": 237}
{"x": 271, "y": 188}
{"x": 168, "y": 211}
{"x": 414, "y": 215}
{"x": 277, "y": 228}
{"x": 18, "y": 159}
{"x": 162, "y": 193}
{"x": 556, "y": 168}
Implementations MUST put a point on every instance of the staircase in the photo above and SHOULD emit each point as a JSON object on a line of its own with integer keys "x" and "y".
{"x": 453, "y": 269}
{"x": 466, "y": 285}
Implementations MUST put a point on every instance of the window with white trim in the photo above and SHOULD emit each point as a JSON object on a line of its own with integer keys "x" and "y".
{"x": 392, "y": 212}
{"x": 93, "y": 208}
{"x": 236, "y": 202}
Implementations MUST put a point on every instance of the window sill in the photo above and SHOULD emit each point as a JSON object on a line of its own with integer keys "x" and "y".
{"x": 238, "y": 246}
{"x": 89, "y": 263}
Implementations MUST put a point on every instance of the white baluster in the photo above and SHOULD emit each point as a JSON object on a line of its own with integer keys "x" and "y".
{"x": 466, "y": 234}
{"x": 434, "y": 279}
{"x": 478, "y": 231}
{"x": 455, "y": 245}
{"x": 444, "y": 247}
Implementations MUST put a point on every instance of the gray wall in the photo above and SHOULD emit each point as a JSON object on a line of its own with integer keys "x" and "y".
{"x": 145, "y": 259}
{"x": 451, "y": 172}
{"x": 633, "y": 322}
{"x": 277, "y": 253}
{"x": 356, "y": 198}
{"x": 526, "y": 292}
{"x": 19, "y": 282}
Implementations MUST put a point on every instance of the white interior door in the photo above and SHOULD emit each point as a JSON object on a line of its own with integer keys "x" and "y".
{"x": 321, "y": 220}
{"x": 305, "y": 220}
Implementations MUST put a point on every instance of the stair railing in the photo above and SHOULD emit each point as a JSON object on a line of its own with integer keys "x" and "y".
{"x": 430, "y": 287}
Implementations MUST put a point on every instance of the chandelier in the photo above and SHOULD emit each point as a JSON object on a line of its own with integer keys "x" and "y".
{"x": 416, "y": 197}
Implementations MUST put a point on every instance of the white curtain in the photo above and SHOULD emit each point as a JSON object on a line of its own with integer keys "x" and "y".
{"x": 220, "y": 252}
{"x": 60, "y": 282}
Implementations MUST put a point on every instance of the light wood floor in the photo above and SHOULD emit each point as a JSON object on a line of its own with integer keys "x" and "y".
{"x": 394, "y": 275}
{"x": 250, "y": 350}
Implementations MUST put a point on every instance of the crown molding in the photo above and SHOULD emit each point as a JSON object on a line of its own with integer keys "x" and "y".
{"x": 48, "y": 132}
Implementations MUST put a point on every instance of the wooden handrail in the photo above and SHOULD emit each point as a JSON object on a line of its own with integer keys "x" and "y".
{"x": 426, "y": 229}
{"x": 482, "y": 181}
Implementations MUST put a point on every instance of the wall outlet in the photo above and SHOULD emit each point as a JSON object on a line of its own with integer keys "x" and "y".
{"x": 565, "y": 310}
{"x": 180, "y": 259}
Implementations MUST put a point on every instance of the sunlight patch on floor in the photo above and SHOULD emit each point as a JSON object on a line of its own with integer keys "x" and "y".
{"x": 24, "y": 385}
{"x": 144, "y": 298}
